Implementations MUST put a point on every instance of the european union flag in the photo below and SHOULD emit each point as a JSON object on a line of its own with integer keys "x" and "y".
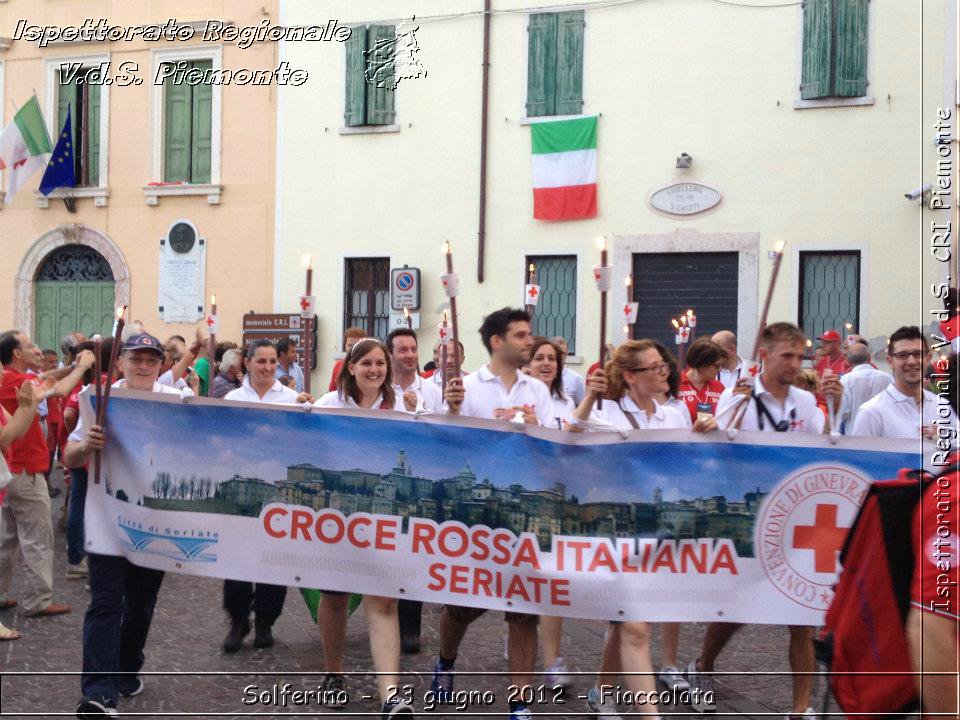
{"x": 60, "y": 170}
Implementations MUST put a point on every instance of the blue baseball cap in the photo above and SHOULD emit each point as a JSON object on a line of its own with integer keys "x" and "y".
{"x": 143, "y": 341}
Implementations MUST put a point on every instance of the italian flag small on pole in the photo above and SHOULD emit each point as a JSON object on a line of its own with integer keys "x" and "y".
{"x": 564, "y": 168}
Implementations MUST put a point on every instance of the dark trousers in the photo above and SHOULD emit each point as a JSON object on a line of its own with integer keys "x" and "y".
{"x": 115, "y": 627}
{"x": 409, "y": 612}
{"x": 266, "y": 600}
{"x": 75, "y": 508}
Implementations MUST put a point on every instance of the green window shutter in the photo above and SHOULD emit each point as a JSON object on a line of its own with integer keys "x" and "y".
{"x": 381, "y": 66}
{"x": 67, "y": 95}
{"x": 201, "y": 128}
{"x": 817, "y": 55}
{"x": 176, "y": 135}
{"x": 541, "y": 64}
{"x": 355, "y": 107}
{"x": 851, "y": 70}
{"x": 92, "y": 123}
{"x": 570, "y": 63}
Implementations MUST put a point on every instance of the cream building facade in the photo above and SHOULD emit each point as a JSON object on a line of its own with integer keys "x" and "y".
{"x": 824, "y": 169}
{"x": 168, "y": 168}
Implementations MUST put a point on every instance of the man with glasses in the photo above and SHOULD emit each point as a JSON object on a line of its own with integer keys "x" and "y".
{"x": 904, "y": 409}
{"x": 774, "y": 404}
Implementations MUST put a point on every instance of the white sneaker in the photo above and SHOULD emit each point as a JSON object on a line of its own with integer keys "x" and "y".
{"x": 810, "y": 714}
{"x": 703, "y": 694}
{"x": 557, "y": 674}
{"x": 672, "y": 678}
{"x": 77, "y": 571}
{"x": 605, "y": 710}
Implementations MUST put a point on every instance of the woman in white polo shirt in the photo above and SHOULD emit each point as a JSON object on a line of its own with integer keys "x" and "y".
{"x": 634, "y": 376}
{"x": 365, "y": 382}
{"x": 260, "y": 385}
{"x": 546, "y": 364}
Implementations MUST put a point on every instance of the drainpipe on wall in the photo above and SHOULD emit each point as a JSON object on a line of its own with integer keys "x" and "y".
{"x": 484, "y": 92}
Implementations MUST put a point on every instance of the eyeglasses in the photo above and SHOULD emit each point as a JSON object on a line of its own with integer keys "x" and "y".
{"x": 658, "y": 368}
{"x": 908, "y": 355}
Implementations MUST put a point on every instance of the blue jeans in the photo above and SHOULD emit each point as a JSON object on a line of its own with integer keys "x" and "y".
{"x": 78, "y": 498}
{"x": 115, "y": 627}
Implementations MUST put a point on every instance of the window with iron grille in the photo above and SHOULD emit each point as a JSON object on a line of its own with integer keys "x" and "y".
{"x": 829, "y": 291}
{"x": 556, "y": 312}
{"x": 366, "y": 301}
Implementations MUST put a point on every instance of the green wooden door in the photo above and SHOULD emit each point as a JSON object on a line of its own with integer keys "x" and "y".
{"x": 63, "y": 307}
{"x": 73, "y": 291}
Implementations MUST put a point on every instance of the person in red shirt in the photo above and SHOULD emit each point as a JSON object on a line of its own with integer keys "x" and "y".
{"x": 699, "y": 388}
{"x": 25, "y": 524}
{"x": 350, "y": 338}
{"x": 13, "y": 427}
{"x": 832, "y": 358}
{"x": 933, "y": 623}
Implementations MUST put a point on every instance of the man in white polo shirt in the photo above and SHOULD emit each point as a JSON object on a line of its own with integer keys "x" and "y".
{"x": 732, "y": 366}
{"x": 862, "y": 383}
{"x": 404, "y": 363}
{"x": 904, "y": 409}
{"x": 774, "y": 404}
{"x": 498, "y": 390}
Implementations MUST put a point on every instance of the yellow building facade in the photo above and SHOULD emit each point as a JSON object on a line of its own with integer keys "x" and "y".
{"x": 713, "y": 144}
{"x": 175, "y": 199}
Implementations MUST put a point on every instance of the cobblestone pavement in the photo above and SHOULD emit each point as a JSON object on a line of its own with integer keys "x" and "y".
{"x": 189, "y": 627}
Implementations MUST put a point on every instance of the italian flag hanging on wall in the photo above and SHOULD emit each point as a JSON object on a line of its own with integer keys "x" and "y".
{"x": 564, "y": 168}
{"x": 24, "y": 146}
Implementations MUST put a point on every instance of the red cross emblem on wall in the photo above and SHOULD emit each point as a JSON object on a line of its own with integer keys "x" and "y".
{"x": 823, "y": 537}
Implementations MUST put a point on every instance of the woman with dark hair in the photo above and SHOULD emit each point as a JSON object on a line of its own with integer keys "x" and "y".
{"x": 365, "y": 382}
{"x": 260, "y": 385}
{"x": 546, "y": 364}
{"x": 700, "y": 389}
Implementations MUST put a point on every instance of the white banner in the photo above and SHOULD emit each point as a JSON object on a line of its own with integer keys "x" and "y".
{"x": 590, "y": 525}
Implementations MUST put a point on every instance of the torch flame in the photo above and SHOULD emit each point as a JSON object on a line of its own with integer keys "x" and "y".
{"x": 406, "y": 312}
{"x": 809, "y": 343}
{"x": 675, "y": 323}
{"x": 213, "y": 298}
{"x": 779, "y": 246}
{"x": 848, "y": 326}
{"x": 444, "y": 317}
{"x": 601, "y": 242}
{"x": 120, "y": 311}
{"x": 446, "y": 248}
{"x": 307, "y": 261}
{"x": 690, "y": 312}
{"x": 532, "y": 269}
{"x": 628, "y": 281}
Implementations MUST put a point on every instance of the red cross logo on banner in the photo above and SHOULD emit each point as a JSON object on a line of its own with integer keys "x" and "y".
{"x": 209, "y": 321}
{"x": 754, "y": 370}
{"x": 304, "y": 303}
{"x": 626, "y": 310}
{"x": 823, "y": 537}
{"x": 533, "y": 291}
{"x": 443, "y": 333}
{"x": 596, "y": 275}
